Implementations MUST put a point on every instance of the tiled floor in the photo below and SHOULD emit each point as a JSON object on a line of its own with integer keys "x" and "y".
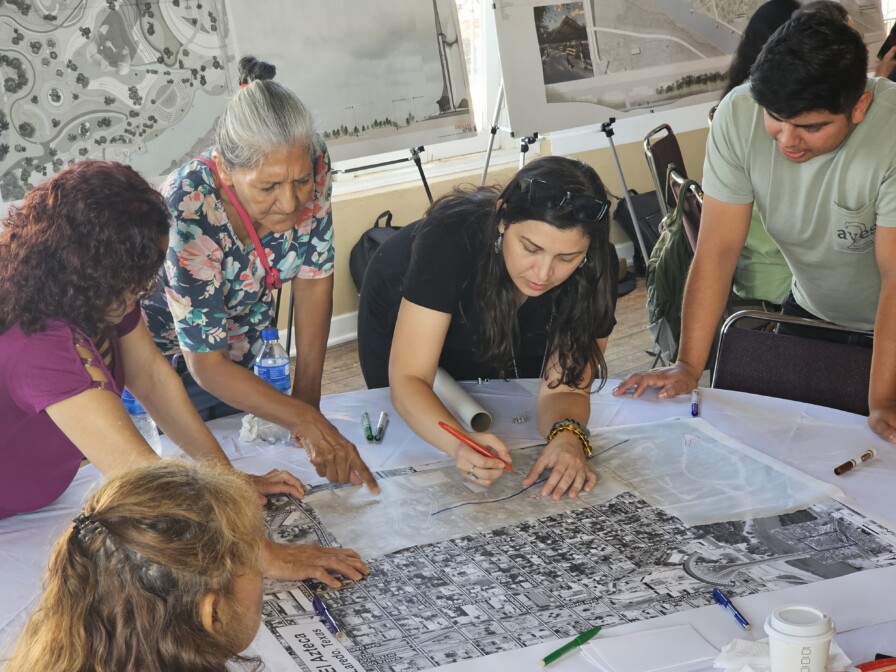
{"x": 627, "y": 350}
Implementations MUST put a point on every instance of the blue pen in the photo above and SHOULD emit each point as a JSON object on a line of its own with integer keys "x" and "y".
{"x": 695, "y": 403}
{"x": 721, "y": 599}
{"x": 325, "y": 616}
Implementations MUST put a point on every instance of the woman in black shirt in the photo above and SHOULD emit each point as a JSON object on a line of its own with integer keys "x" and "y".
{"x": 520, "y": 283}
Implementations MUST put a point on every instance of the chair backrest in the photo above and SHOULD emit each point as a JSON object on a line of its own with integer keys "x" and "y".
{"x": 661, "y": 150}
{"x": 691, "y": 209}
{"x": 814, "y": 371}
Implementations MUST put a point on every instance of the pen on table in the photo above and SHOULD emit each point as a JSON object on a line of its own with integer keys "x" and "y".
{"x": 854, "y": 462}
{"x": 460, "y": 436}
{"x": 721, "y": 599}
{"x": 569, "y": 646}
{"x": 320, "y": 608}
{"x": 695, "y": 403}
{"x": 381, "y": 426}
{"x": 365, "y": 421}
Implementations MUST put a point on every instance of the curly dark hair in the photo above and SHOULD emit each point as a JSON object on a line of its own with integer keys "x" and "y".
{"x": 78, "y": 244}
{"x": 583, "y": 305}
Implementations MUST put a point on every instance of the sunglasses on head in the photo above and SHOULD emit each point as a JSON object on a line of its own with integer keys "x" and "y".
{"x": 543, "y": 195}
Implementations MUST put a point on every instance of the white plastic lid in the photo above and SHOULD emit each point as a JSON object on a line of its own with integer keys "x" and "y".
{"x": 800, "y": 621}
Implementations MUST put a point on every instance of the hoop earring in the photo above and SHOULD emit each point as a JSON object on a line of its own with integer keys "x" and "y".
{"x": 584, "y": 261}
{"x": 499, "y": 242}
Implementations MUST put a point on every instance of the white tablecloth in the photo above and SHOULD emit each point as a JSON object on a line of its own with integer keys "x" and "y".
{"x": 809, "y": 438}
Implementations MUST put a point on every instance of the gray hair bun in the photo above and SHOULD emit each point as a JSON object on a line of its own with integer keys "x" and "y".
{"x": 251, "y": 69}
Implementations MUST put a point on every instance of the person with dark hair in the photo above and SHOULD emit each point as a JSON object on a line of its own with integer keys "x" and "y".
{"x": 75, "y": 259}
{"x": 161, "y": 571}
{"x": 812, "y": 141}
{"x": 762, "y": 272}
{"x": 767, "y": 18}
{"x": 516, "y": 283}
{"x": 830, "y": 8}
{"x": 264, "y": 185}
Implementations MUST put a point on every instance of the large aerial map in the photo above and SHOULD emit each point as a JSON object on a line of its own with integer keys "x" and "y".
{"x": 459, "y": 573}
{"x": 137, "y": 82}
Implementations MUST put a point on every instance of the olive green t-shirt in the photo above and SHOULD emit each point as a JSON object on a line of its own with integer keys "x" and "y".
{"x": 822, "y": 213}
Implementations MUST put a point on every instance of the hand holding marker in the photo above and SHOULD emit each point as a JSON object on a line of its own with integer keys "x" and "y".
{"x": 463, "y": 438}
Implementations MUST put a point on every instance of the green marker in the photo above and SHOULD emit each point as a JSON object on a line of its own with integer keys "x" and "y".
{"x": 566, "y": 648}
{"x": 368, "y": 430}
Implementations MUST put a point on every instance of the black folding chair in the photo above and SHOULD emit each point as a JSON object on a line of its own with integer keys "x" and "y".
{"x": 692, "y": 207}
{"x": 661, "y": 149}
{"x": 810, "y": 370}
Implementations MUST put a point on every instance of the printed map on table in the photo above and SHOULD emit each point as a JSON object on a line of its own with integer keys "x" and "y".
{"x": 612, "y": 561}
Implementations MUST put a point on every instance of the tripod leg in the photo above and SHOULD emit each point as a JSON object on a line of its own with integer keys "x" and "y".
{"x": 415, "y": 152}
{"x": 494, "y": 131}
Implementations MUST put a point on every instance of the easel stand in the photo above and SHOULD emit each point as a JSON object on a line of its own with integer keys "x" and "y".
{"x": 524, "y": 147}
{"x": 415, "y": 157}
{"x": 524, "y": 141}
{"x": 607, "y": 129}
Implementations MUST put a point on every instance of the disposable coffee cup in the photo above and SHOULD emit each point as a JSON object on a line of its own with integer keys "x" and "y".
{"x": 799, "y": 639}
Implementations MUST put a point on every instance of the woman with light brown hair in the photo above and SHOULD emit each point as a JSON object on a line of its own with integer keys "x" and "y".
{"x": 159, "y": 572}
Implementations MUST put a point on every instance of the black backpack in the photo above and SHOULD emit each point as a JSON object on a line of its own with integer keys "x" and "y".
{"x": 647, "y": 208}
{"x": 370, "y": 241}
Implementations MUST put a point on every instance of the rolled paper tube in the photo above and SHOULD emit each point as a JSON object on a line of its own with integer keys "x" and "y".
{"x": 459, "y": 402}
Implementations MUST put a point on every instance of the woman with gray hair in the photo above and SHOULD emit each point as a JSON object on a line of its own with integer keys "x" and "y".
{"x": 265, "y": 185}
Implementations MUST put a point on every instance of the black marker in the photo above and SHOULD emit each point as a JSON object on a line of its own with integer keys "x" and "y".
{"x": 381, "y": 426}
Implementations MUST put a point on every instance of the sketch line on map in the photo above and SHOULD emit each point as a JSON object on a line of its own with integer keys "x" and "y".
{"x": 504, "y": 499}
{"x": 489, "y": 501}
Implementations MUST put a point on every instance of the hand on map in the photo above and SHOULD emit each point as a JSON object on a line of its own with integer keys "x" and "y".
{"x": 680, "y": 378}
{"x": 569, "y": 468}
{"x": 882, "y": 421}
{"x": 475, "y": 467}
{"x": 332, "y": 455}
{"x": 296, "y": 562}
{"x": 277, "y": 482}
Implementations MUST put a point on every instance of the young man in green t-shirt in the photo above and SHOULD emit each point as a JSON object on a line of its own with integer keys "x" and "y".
{"x": 812, "y": 142}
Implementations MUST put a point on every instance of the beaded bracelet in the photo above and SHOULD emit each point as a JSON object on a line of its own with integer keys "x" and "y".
{"x": 570, "y": 425}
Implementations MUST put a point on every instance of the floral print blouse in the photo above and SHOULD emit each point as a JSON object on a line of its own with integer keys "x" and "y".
{"x": 212, "y": 294}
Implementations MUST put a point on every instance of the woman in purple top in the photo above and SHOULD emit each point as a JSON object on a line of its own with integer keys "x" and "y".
{"x": 75, "y": 260}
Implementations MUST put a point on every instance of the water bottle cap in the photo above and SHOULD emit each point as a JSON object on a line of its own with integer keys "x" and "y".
{"x": 126, "y": 396}
{"x": 270, "y": 334}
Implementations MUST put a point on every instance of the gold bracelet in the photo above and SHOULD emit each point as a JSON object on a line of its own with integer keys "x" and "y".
{"x": 569, "y": 425}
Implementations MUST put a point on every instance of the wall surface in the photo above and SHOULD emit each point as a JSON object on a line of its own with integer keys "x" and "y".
{"x": 353, "y": 213}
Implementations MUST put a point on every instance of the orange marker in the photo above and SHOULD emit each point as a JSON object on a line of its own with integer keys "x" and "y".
{"x": 460, "y": 436}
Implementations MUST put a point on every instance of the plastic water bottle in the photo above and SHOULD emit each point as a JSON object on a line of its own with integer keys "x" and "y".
{"x": 272, "y": 363}
{"x": 142, "y": 420}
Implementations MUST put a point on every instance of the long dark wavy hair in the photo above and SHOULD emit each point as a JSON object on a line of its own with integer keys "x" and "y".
{"x": 78, "y": 244}
{"x": 124, "y": 587}
{"x": 583, "y": 305}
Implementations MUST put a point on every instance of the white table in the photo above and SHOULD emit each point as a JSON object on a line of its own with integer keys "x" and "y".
{"x": 809, "y": 438}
